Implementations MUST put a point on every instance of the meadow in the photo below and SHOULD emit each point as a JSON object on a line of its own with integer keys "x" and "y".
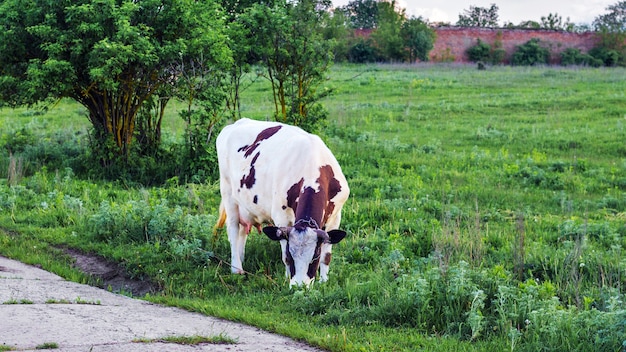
{"x": 487, "y": 213}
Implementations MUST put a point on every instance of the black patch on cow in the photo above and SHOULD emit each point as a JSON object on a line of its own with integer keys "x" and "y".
{"x": 265, "y": 134}
{"x": 289, "y": 262}
{"x": 249, "y": 180}
{"x": 255, "y": 200}
{"x": 315, "y": 263}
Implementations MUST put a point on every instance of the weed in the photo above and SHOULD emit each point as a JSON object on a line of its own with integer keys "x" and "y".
{"x": 192, "y": 340}
{"x": 47, "y": 346}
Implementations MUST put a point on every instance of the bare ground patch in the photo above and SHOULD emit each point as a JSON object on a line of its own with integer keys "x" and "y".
{"x": 110, "y": 275}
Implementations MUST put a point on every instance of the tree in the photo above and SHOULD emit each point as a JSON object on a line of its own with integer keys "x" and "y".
{"x": 111, "y": 56}
{"x": 614, "y": 21}
{"x": 555, "y": 22}
{"x": 479, "y": 17}
{"x": 363, "y": 14}
{"x": 336, "y": 30}
{"x": 294, "y": 56}
{"x": 612, "y": 29}
{"x": 387, "y": 36}
{"x": 418, "y": 37}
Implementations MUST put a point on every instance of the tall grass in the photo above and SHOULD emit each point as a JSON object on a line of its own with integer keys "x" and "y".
{"x": 486, "y": 213}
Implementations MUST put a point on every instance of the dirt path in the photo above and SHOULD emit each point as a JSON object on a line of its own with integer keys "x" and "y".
{"x": 37, "y": 307}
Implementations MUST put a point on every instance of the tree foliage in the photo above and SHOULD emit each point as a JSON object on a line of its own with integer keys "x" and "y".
{"x": 387, "y": 36}
{"x": 110, "y": 56}
{"x": 484, "y": 53}
{"x": 612, "y": 29}
{"x": 614, "y": 20}
{"x": 555, "y": 22}
{"x": 294, "y": 56}
{"x": 479, "y": 17}
{"x": 531, "y": 53}
{"x": 418, "y": 38}
{"x": 362, "y": 14}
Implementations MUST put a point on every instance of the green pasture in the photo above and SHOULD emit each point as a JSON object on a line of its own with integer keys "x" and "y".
{"x": 487, "y": 213}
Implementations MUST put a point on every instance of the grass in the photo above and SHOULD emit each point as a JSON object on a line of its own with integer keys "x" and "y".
{"x": 192, "y": 340}
{"x": 487, "y": 213}
{"x": 47, "y": 346}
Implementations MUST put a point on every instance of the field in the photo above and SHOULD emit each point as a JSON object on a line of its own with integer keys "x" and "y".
{"x": 487, "y": 213}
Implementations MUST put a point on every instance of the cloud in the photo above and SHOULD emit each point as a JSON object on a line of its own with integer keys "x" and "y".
{"x": 433, "y": 14}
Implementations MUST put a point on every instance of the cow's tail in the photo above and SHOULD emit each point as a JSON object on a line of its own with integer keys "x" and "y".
{"x": 221, "y": 220}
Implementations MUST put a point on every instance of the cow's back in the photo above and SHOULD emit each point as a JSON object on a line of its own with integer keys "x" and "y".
{"x": 261, "y": 161}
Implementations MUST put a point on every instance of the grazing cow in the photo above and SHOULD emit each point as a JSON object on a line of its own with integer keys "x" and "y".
{"x": 276, "y": 173}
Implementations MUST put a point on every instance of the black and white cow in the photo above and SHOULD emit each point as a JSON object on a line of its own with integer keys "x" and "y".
{"x": 276, "y": 173}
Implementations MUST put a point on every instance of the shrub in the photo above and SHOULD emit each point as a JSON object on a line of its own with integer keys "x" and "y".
{"x": 608, "y": 57}
{"x": 479, "y": 52}
{"x": 361, "y": 52}
{"x": 485, "y": 53}
{"x": 531, "y": 53}
{"x": 573, "y": 56}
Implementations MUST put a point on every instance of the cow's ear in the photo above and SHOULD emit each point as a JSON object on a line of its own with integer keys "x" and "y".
{"x": 336, "y": 236}
{"x": 274, "y": 233}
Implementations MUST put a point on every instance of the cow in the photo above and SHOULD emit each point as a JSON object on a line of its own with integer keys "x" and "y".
{"x": 274, "y": 173}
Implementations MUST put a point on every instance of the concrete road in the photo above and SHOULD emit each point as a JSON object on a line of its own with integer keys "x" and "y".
{"x": 38, "y": 307}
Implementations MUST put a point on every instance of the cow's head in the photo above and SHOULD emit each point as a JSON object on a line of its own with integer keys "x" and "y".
{"x": 303, "y": 248}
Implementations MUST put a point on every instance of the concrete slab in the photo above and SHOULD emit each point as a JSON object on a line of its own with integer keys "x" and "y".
{"x": 38, "y": 307}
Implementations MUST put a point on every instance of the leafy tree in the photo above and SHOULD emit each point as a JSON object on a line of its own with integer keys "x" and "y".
{"x": 612, "y": 29}
{"x": 242, "y": 46}
{"x": 294, "y": 57}
{"x": 337, "y": 31}
{"x": 479, "y": 17}
{"x": 613, "y": 21}
{"x": 387, "y": 37}
{"x": 111, "y": 56}
{"x": 555, "y": 22}
{"x": 203, "y": 90}
{"x": 418, "y": 37}
{"x": 362, "y": 14}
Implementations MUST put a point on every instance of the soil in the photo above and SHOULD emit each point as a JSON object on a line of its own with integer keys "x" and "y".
{"x": 109, "y": 274}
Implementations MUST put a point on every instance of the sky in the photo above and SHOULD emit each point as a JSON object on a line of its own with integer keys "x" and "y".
{"x": 515, "y": 11}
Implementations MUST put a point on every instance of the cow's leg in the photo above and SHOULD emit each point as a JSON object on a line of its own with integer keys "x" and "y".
{"x": 235, "y": 232}
{"x": 325, "y": 257}
{"x": 244, "y": 230}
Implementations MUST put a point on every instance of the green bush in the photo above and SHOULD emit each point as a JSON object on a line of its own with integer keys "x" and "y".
{"x": 573, "y": 56}
{"x": 362, "y": 51}
{"x": 609, "y": 57}
{"x": 531, "y": 53}
{"x": 479, "y": 52}
{"x": 140, "y": 221}
{"x": 485, "y": 53}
